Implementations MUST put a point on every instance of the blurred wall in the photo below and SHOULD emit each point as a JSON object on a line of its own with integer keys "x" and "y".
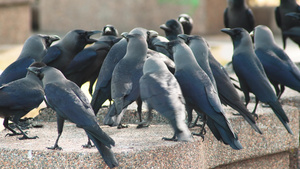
{"x": 64, "y": 15}
{"x": 266, "y": 16}
{"x": 15, "y": 19}
{"x": 19, "y": 17}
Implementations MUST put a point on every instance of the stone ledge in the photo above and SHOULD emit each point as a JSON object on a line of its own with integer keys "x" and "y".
{"x": 278, "y": 160}
{"x": 144, "y": 148}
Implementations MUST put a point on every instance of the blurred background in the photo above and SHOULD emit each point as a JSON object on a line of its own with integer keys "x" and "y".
{"x": 20, "y": 18}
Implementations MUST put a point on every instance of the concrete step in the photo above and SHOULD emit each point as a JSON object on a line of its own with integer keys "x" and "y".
{"x": 144, "y": 148}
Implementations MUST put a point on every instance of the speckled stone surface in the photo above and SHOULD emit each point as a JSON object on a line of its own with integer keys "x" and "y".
{"x": 144, "y": 148}
{"x": 273, "y": 161}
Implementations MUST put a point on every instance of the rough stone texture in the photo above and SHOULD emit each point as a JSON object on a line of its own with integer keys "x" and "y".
{"x": 278, "y": 161}
{"x": 293, "y": 100}
{"x": 144, "y": 148}
{"x": 15, "y": 21}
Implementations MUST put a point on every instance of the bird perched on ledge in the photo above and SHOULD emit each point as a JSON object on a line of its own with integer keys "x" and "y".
{"x": 62, "y": 53}
{"x": 219, "y": 77}
{"x": 34, "y": 49}
{"x": 127, "y": 73}
{"x": 251, "y": 74}
{"x": 200, "y": 94}
{"x": 18, "y": 98}
{"x": 161, "y": 91}
{"x": 70, "y": 103}
{"x": 85, "y": 66}
{"x": 280, "y": 69}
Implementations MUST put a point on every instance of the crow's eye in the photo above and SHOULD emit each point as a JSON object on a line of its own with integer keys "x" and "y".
{"x": 236, "y": 31}
{"x": 82, "y": 33}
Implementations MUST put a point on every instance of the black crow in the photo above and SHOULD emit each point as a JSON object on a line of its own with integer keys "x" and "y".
{"x": 186, "y": 22}
{"x": 18, "y": 98}
{"x": 34, "y": 49}
{"x": 172, "y": 28}
{"x": 126, "y": 75}
{"x": 161, "y": 91}
{"x": 200, "y": 94}
{"x": 251, "y": 74}
{"x": 103, "y": 86}
{"x": 289, "y": 27}
{"x": 238, "y": 14}
{"x": 63, "y": 52}
{"x": 218, "y": 75}
{"x": 280, "y": 69}
{"x": 70, "y": 103}
{"x": 86, "y": 65}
